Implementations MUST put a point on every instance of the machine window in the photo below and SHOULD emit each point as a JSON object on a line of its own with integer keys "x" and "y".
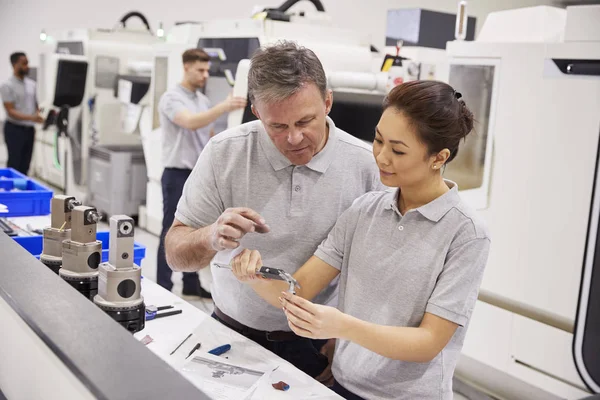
{"x": 475, "y": 82}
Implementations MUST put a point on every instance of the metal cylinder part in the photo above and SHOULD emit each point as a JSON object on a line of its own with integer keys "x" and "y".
{"x": 119, "y": 287}
{"x": 82, "y": 258}
{"x": 53, "y": 239}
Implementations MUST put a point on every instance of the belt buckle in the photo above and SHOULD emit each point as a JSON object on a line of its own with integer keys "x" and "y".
{"x": 269, "y": 338}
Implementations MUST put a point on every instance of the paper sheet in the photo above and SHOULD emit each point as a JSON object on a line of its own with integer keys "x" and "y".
{"x": 248, "y": 353}
{"x": 221, "y": 378}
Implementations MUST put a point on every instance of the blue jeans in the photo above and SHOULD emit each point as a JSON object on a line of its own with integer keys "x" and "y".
{"x": 19, "y": 145}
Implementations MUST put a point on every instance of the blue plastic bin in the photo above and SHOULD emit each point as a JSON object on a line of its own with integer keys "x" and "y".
{"x": 35, "y": 245}
{"x": 31, "y": 199}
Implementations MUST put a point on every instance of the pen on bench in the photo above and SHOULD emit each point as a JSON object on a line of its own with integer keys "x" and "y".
{"x": 180, "y": 344}
{"x": 196, "y": 347}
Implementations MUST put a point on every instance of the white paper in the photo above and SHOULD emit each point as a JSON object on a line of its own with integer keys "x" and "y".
{"x": 221, "y": 378}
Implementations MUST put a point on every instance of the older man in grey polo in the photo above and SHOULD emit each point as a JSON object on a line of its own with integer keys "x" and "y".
{"x": 19, "y": 99}
{"x": 277, "y": 184}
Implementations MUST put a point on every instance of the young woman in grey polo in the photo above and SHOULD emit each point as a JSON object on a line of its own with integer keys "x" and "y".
{"x": 410, "y": 260}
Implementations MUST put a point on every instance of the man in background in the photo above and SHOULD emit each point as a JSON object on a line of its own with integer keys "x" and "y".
{"x": 186, "y": 119}
{"x": 22, "y": 113}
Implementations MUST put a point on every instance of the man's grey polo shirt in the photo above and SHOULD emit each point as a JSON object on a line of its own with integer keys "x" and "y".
{"x": 22, "y": 94}
{"x": 395, "y": 268}
{"x": 181, "y": 147}
{"x": 242, "y": 167}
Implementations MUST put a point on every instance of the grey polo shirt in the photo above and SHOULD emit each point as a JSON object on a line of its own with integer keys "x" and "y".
{"x": 22, "y": 94}
{"x": 394, "y": 268}
{"x": 242, "y": 167}
{"x": 181, "y": 147}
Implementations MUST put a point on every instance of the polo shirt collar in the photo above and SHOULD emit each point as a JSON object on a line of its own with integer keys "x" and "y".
{"x": 187, "y": 91}
{"x": 434, "y": 210}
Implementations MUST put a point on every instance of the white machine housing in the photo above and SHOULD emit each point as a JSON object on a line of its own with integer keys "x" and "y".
{"x": 531, "y": 177}
{"x": 108, "y": 54}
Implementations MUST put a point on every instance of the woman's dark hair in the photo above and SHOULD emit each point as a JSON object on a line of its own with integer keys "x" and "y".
{"x": 436, "y": 111}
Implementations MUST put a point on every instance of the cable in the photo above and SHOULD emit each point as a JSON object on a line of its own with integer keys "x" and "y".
{"x": 141, "y": 16}
{"x": 289, "y": 3}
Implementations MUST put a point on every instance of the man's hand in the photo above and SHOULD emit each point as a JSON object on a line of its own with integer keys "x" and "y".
{"x": 245, "y": 265}
{"x": 326, "y": 377}
{"x": 311, "y": 320}
{"x": 38, "y": 119}
{"x": 232, "y": 225}
{"x": 233, "y": 103}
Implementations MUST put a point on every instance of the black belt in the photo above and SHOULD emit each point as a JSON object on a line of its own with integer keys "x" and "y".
{"x": 275, "y": 336}
{"x": 178, "y": 169}
{"x": 26, "y": 127}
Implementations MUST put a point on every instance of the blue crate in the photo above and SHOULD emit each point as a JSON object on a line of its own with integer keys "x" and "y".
{"x": 31, "y": 199}
{"x": 35, "y": 245}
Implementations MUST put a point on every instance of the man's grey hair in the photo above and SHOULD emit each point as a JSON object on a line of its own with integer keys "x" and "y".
{"x": 279, "y": 71}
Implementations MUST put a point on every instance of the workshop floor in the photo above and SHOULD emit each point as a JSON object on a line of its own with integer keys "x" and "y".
{"x": 149, "y": 272}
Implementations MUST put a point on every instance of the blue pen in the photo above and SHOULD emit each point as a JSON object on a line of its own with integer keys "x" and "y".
{"x": 217, "y": 351}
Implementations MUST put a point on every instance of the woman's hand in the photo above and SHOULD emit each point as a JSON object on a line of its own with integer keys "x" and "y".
{"x": 246, "y": 264}
{"x": 312, "y": 320}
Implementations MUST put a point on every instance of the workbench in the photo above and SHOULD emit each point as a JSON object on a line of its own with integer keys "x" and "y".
{"x": 168, "y": 332}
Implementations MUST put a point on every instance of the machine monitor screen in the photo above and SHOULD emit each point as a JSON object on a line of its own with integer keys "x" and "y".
{"x": 357, "y": 114}
{"x": 70, "y": 83}
{"x": 225, "y": 55}
{"x": 233, "y": 50}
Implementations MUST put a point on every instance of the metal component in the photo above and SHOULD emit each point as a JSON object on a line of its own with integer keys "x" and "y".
{"x": 527, "y": 311}
{"x": 93, "y": 217}
{"x": 59, "y": 230}
{"x": 119, "y": 281}
{"x": 272, "y": 273}
{"x": 81, "y": 253}
{"x": 83, "y": 227}
{"x": 61, "y": 208}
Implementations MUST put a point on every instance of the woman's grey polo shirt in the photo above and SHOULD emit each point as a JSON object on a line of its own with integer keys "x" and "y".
{"x": 394, "y": 268}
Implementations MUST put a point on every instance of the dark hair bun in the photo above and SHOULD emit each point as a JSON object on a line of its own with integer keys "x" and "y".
{"x": 467, "y": 118}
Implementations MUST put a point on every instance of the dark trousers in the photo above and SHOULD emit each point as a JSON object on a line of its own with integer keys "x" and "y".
{"x": 172, "y": 182}
{"x": 301, "y": 352}
{"x": 19, "y": 144}
{"x": 345, "y": 393}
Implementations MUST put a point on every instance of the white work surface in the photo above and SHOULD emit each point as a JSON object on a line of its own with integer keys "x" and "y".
{"x": 168, "y": 332}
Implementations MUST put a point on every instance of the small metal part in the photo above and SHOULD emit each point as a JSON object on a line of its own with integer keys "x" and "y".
{"x": 272, "y": 273}
{"x": 71, "y": 204}
{"x": 93, "y": 217}
{"x": 180, "y": 344}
